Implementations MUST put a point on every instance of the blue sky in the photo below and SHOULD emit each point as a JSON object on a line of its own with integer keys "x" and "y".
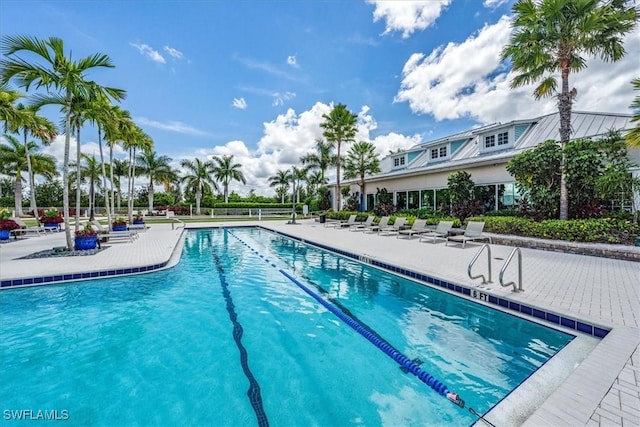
{"x": 252, "y": 78}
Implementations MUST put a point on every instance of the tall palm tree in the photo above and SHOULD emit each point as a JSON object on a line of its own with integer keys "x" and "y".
{"x": 13, "y": 155}
{"x": 322, "y": 158}
{"x": 156, "y": 168}
{"x": 298, "y": 175}
{"x": 137, "y": 140}
{"x": 199, "y": 178}
{"x": 281, "y": 181}
{"x": 118, "y": 171}
{"x": 90, "y": 170}
{"x": 315, "y": 179}
{"x": 633, "y": 136}
{"x": 552, "y": 36}
{"x": 8, "y": 111}
{"x": 51, "y": 69}
{"x": 361, "y": 160}
{"x": 339, "y": 126}
{"x": 119, "y": 127}
{"x": 31, "y": 124}
{"x": 225, "y": 171}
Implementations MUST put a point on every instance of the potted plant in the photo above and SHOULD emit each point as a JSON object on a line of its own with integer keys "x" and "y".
{"x": 51, "y": 219}
{"x": 6, "y": 224}
{"x": 138, "y": 219}
{"x": 86, "y": 238}
{"x": 119, "y": 224}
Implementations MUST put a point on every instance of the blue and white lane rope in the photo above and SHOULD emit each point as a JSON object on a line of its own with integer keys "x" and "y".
{"x": 383, "y": 345}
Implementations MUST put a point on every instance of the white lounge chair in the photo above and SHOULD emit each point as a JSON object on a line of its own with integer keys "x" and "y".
{"x": 384, "y": 222}
{"x": 472, "y": 232}
{"x": 419, "y": 226}
{"x": 348, "y": 223}
{"x": 104, "y": 232}
{"x": 441, "y": 231}
{"x": 394, "y": 228}
{"x": 363, "y": 225}
{"x": 25, "y": 229}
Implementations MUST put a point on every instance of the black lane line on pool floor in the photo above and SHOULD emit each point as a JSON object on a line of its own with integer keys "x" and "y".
{"x": 372, "y": 337}
{"x": 255, "y": 397}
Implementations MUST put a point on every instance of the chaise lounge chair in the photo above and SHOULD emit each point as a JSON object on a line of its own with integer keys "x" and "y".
{"x": 348, "y": 223}
{"x": 363, "y": 225}
{"x": 419, "y": 226}
{"x": 24, "y": 228}
{"x": 441, "y": 231}
{"x": 394, "y": 228}
{"x": 105, "y": 233}
{"x": 471, "y": 233}
{"x": 384, "y": 222}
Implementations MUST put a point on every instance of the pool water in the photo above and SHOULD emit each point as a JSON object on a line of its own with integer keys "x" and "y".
{"x": 225, "y": 338}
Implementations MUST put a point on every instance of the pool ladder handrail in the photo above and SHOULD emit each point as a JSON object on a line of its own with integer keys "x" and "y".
{"x": 475, "y": 257}
{"x": 178, "y": 221}
{"x": 504, "y": 267}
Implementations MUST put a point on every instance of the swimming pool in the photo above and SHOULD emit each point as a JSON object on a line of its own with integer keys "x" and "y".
{"x": 225, "y": 337}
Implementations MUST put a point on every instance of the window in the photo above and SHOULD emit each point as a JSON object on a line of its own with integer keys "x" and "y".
{"x": 439, "y": 152}
{"x": 503, "y": 138}
{"x": 398, "y": 161}
{"x": 489, "y": 141}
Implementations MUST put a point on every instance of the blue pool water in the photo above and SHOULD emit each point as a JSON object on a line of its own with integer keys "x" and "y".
{"x": 225, "y": 338}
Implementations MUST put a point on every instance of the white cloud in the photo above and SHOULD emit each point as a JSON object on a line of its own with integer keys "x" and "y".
{"x": 291, "y": 60}
{"x": 239, "y": 103}
{"x": 407, "y": 16}
{"x": 173, "y": 126}
{"x": 454, "y": 81}
{"x": 494, "y": 4}
{"x": 149, "y": 52}
{"x": 280, "y": 98}
{"x": 56, "y": 149}
{"x": 175, "y": 53}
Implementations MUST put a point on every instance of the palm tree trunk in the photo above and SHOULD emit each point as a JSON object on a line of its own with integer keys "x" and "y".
{"x": 32, "y": 184}
{"x": 65, "y": 172}
{"x": 17, "y": 192}
{"x": 92, "y": 198}
{"x": 150, "y": 195}
{"x": 104, "y": 176}
{"x": 78, "y": 190}
{"x": 133, "y": 175}
{"x": 113, "y": 208}
{"x": 338, "y": 192}
{"x": 564, "y": 106}
{"x": 198, "y": 197}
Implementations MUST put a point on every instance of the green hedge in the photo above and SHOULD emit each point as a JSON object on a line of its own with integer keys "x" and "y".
{"x": 605, "y": 230}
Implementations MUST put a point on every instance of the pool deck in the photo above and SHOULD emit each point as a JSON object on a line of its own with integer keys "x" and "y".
{"x": 604, "y": 390}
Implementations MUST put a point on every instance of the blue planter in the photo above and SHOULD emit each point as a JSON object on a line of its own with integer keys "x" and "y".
{"x": 138, "y": 221}
{"x": 120, "y": 227}
{"x": 86, "y": 242}
{"x": 5, "y": 234}
{"x": 55, "y": 226}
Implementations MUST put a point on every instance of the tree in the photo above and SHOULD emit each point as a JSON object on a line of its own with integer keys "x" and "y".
{"x": 633, "y": 136}
{"x": 225, "y": 171}
{"x": 297, "y": 176}
{"x": 281, "y": 181}
{"x": 156, "y": 168}
{"x": 462, "y": 195}
{"x": 8, "y": 111}
{"x": 361, "y": 160}
{"x": 90, "y": 170}
{"x": 13, "y": 155}
{"x": 198, "y": 178}
{"x": 321, "y": 159}
{"x": 31, "y": 124}
{"x": 551, "y": 36}
{"x": 52, "y": 69}
{"x": 339, "y": 126}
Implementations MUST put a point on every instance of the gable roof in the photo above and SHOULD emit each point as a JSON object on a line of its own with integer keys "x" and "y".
{"x": 538, "y": 130}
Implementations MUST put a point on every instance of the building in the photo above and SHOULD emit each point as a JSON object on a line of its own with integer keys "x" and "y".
{"x": 417, "y": 177}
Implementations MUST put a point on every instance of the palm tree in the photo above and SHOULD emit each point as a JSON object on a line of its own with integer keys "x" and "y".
{"x": 322, "y": 158}
{"x": 551, "y": 36}
{"x": 13, "y": 156}
{"x": 91, "y": 171}
{"x": 156, "y": 168}
{"x": 31, "y": 124}
{"x": 297, "y": 176}
{"x": 137, "y": 139}
{"x": 633, "y": 136}
{"x": 198, "y": 178}
{"x": 281, "y": 180}
{"x": 361, "y": 160}
{"x": 53, "y": 69}
{"x": 8, "y": 111}
{"x": 339, "y": 126}
{"x": 226, "y": 171}
{"x": 315, "y": 179}
{"x": 118, "y": 171}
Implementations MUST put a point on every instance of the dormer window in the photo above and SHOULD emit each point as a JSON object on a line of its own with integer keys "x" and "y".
{"x": 398, "y": 161}
{"x": 438, "y": 152}
{"x": 496, "y": 141}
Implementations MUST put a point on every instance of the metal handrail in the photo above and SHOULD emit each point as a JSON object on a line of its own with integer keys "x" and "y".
{"x": 178, "y": 221}
{"x": 475, "y": 257}
{"x": 504, "y": 267}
